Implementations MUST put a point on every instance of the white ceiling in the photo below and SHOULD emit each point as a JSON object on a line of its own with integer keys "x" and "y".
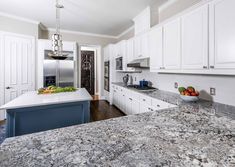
{"x": 107, "y": 17}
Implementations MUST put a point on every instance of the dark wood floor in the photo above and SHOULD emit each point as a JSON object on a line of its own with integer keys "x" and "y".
{"x": 101, "y": 110}
{"x": 2, "y": 122}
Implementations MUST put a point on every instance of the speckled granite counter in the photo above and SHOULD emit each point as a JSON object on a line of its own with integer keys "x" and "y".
{"x": 198, "y": 134}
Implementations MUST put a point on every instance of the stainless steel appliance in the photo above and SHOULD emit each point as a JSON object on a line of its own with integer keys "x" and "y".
{"x": 140, "y": 63}
{"x": 126, "y": 79}
{"x": 143, "y": 88}
{"x": 119, "y": 63}
{"x": 59, "y": 72}
{"x": 106, "y": 75}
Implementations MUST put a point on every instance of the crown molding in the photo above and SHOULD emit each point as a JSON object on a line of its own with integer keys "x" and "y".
{"x": 19, "y": 18}
{"x": 83, "y": 33}
{"x": 125, "y": 32}
{"x": 42, "y": 27}
{"x": 166, "y": 5}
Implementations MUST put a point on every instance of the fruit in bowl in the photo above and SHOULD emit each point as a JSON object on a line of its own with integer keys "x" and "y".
{"x": 190, "y": 94}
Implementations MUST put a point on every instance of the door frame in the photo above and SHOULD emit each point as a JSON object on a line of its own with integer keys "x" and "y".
{"x": 98, "y": 66}
{"x": 2, "y": 66}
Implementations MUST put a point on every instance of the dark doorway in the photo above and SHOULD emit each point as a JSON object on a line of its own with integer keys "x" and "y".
{"x": 88, "y": 71}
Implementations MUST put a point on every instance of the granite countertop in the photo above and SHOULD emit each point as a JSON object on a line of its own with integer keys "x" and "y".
{"x": 197, "y": 134}
{"x": 32, "y": 98}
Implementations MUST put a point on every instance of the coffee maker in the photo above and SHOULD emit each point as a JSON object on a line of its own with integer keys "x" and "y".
{"x": 128, "y": 80}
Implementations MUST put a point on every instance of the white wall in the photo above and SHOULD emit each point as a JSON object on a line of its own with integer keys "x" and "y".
{"x": 8, "y": 24}
{"x": 225, "y": 91}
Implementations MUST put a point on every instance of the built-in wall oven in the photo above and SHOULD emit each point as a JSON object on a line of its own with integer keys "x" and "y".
{"x": 106, "y": 76}
{"x": 119, "y": 63}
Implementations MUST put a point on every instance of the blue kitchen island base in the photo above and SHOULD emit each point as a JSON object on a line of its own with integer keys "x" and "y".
{"x": 27, "y": 120}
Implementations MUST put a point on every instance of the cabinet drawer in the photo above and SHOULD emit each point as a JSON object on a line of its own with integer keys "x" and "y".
{"x": 134, "y": 95}
{"x": 145, "y": 100}
{"x": 159, "y": 105}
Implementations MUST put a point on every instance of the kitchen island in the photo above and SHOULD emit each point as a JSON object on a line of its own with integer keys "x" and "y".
{"x": 32, "y": 112}
{"x": 193, "y": 134}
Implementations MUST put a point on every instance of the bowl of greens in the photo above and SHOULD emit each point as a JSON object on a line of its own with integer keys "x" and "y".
{"x": 55, "y": 89}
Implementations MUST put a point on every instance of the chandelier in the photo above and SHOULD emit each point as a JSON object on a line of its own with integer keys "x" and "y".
{"x": 57, "y": 45}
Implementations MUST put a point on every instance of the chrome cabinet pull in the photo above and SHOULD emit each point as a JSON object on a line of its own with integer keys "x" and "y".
{"x": 212, "y": 67}
{"x": 204, "y": 67}
{"x": 8, "y": 87}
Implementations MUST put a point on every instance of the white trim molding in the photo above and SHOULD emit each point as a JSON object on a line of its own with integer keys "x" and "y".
{"x": 83, "y": 33}
{"x": 19, "y": 18}
{"x": 166, "y": 5}
{"x": 125, "y": 32}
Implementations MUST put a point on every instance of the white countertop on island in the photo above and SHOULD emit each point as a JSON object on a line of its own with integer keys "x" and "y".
{"x": 32, "y": 99}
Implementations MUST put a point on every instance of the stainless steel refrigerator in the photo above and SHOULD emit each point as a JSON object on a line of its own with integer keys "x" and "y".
{"x": 59, "y": 72}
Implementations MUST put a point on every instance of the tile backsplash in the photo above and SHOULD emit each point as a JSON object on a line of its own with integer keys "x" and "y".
{"x": 224, "y": 85}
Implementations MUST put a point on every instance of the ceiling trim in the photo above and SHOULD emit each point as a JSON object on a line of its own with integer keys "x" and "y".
{"x": 166, "y": 5}
{"x": 83, "y": 33}
{"x": 125, "y": 32}
{"x": 19, "y": 18}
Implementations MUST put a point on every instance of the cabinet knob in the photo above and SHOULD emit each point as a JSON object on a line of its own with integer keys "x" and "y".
{"x": 158, "y": 105}
{"x": 204, "y": 67}
{"x": 130, "y": 99}
{"x": 144, "y": 100}
{"x": 212, "y": 67}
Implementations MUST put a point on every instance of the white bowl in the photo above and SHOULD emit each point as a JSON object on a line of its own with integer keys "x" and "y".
{"x": 189, "y": 98}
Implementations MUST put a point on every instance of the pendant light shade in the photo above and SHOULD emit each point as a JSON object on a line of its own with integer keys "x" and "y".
{"x": 57, "y": 44}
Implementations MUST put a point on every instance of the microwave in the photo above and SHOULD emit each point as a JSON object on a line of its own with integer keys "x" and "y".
{"x": 119, "y": 65}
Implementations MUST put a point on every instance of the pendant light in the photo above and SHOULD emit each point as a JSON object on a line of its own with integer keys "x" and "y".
{"x": 57, "y": 45}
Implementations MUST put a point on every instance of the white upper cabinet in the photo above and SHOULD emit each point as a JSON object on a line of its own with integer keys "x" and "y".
{"x": 155, "y": 49}
{"x": 130, "y": 50}
{"x": 222, "y": 33}
{"x": 121, "y": 51}
{"x": 142, "y": 21}
{"x": 195, "y": 39}
{"x": 172, "y": 45}
{"x": 141, "y": 46}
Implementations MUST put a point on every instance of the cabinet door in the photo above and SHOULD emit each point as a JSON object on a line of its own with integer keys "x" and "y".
{"x": 155, "y": 49}
{"x": 115, "y": 98}
{"x": 144, "y": 45}
{"x": 135, "y": 106}
{"x": 195, "y": 39}
{"x": 137, "y": 47}
{"x": 128, "y": 105}
{"x": 222, "y": 37}
{"x": 172, "y": 40}
{"x": 130, "y": 50}
{"x": 122, "y": 101}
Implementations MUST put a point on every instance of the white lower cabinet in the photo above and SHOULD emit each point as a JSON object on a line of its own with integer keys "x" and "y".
{"x": 131, "y": 102}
